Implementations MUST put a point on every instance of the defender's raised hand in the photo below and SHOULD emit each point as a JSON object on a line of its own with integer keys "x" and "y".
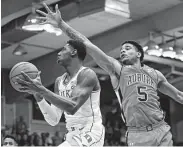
{"x": 53, "y": 18}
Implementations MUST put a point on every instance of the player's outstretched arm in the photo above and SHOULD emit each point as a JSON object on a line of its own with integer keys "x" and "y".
{"x": 109, "y": 64}
{"x": 166, "y": 88}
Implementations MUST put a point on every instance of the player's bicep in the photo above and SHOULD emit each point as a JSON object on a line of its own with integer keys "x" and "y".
{"x": 86, "y": 82}
{"x": 165, "y": 87}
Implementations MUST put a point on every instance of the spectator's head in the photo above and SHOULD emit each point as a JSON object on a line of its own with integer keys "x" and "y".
{"x": 9, "y": 141}
{"x": 47, "y": 134}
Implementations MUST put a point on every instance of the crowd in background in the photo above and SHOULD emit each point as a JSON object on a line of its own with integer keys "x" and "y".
{"x": 114, "y": 127}
{"x": 22, "y": 134}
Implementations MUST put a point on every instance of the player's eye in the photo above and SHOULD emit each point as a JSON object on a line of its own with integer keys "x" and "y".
{"x": 5, "y": 143}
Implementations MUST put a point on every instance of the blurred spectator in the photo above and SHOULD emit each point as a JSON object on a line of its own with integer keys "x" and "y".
{"x": 123, "y": 136}
{"x": 43, "y": 137}
{"x": 48, "y": 140}
{"x": 21, "y": 126}
{"x": 108, "y": 133}
{"x": 18, "y": 138}
{"x": 2, "y": 134}
{"x": 117, "y": 133}
{"x": 24, "y": 140}
{"x": 57, "y": 139}
{"x": 36, "y": 139}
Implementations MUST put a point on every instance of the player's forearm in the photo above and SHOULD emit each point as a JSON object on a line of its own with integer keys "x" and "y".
{"x": 179, "y": 97}
{"x": 50, "y": 114}
{"x": 176, "y": 95}
{"x": 57, "y": 100}
{"x": 71, "y": 32}
{"x": 75, "y": 35}
{"x": 38, "y": 97}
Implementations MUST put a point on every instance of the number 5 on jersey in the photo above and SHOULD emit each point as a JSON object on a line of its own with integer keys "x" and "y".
{"x": 142, "y": 94}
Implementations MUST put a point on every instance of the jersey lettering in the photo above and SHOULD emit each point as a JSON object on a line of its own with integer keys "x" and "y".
{"x": 140, "y": 77}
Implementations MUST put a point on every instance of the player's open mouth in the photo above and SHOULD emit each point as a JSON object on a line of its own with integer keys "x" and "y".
{"x": 58, "y": 59}
{"x": 123, "y": 56}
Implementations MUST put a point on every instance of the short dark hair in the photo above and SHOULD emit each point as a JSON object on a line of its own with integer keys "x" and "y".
{"x": 138, "y": 46}
{"x": 10, "y": 136}
{"x": 80, "y": 47}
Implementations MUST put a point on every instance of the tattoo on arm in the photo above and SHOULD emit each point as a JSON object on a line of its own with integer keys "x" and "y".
{"x": 72, "y": 33}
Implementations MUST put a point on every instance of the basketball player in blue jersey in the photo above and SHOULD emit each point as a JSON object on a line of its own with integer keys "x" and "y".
{"x": 138, "y": 84}
{"x": 77, "y": 93}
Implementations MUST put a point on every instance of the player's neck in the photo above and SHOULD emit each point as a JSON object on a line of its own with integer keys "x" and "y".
{"x": 137, "y": 64}
{"x": 74, "y": 67}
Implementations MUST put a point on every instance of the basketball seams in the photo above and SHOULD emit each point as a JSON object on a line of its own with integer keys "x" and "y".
{"x": 27, "y": 67}
{"x": 29, "y": 72}
{"x": 16, "y": 66}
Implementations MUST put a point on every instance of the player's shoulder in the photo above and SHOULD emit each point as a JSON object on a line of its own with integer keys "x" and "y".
{"x": 89, "y": 77}
{"x": 148, "y": 68}
{"x": 87, "y": 72}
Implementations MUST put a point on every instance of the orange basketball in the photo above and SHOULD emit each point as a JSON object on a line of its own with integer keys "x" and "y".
{"x": 29, "y": 68}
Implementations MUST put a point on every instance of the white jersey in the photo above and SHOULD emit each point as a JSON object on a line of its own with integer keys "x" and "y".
{"x": 89, "y": 112}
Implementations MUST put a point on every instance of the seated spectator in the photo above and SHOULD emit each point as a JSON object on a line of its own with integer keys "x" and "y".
{"x": 57, "y": 139}
{"x": 123, "y": 136}
{"x": 21, "y": 126}
{"x": 117, "y": 133}
{"x": 24, "y": 140}
{"x": 9, "y": 141}
{"x": 48, "y": 140}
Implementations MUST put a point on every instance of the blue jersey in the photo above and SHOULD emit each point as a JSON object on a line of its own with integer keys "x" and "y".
{"x": 140, "y": 103}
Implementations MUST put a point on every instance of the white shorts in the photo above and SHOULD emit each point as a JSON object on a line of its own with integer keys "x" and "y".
{"x": 91, "y": 135}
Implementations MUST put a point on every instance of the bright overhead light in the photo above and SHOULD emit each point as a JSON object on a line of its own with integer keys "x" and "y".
{"x": 151, "y": 47}
{"x": 167, "y": 49}
{"x": 179, "y": 52}
{"x": 33, "y": 24}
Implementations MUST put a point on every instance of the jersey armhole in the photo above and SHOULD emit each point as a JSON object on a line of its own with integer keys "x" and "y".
{"x": 117, "y": 87}
{"x": 157, "y": 76}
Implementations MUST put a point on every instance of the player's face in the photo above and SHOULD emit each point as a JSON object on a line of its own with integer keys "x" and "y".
{"x": 9, "y": 142}
{"x": 64, "y": 56}
{"x": 128, "y": 54}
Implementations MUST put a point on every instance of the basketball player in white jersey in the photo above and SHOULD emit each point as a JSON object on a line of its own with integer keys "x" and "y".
{"x": 138, "y": 84}
{"x": 77, "y": 93}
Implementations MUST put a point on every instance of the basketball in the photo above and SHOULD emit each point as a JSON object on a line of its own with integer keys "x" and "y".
{"x": 29, "y": 68}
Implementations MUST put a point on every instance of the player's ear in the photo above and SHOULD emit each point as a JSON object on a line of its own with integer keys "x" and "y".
{"x": 139, "y": 54}
{"x": 73, "y": 53}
